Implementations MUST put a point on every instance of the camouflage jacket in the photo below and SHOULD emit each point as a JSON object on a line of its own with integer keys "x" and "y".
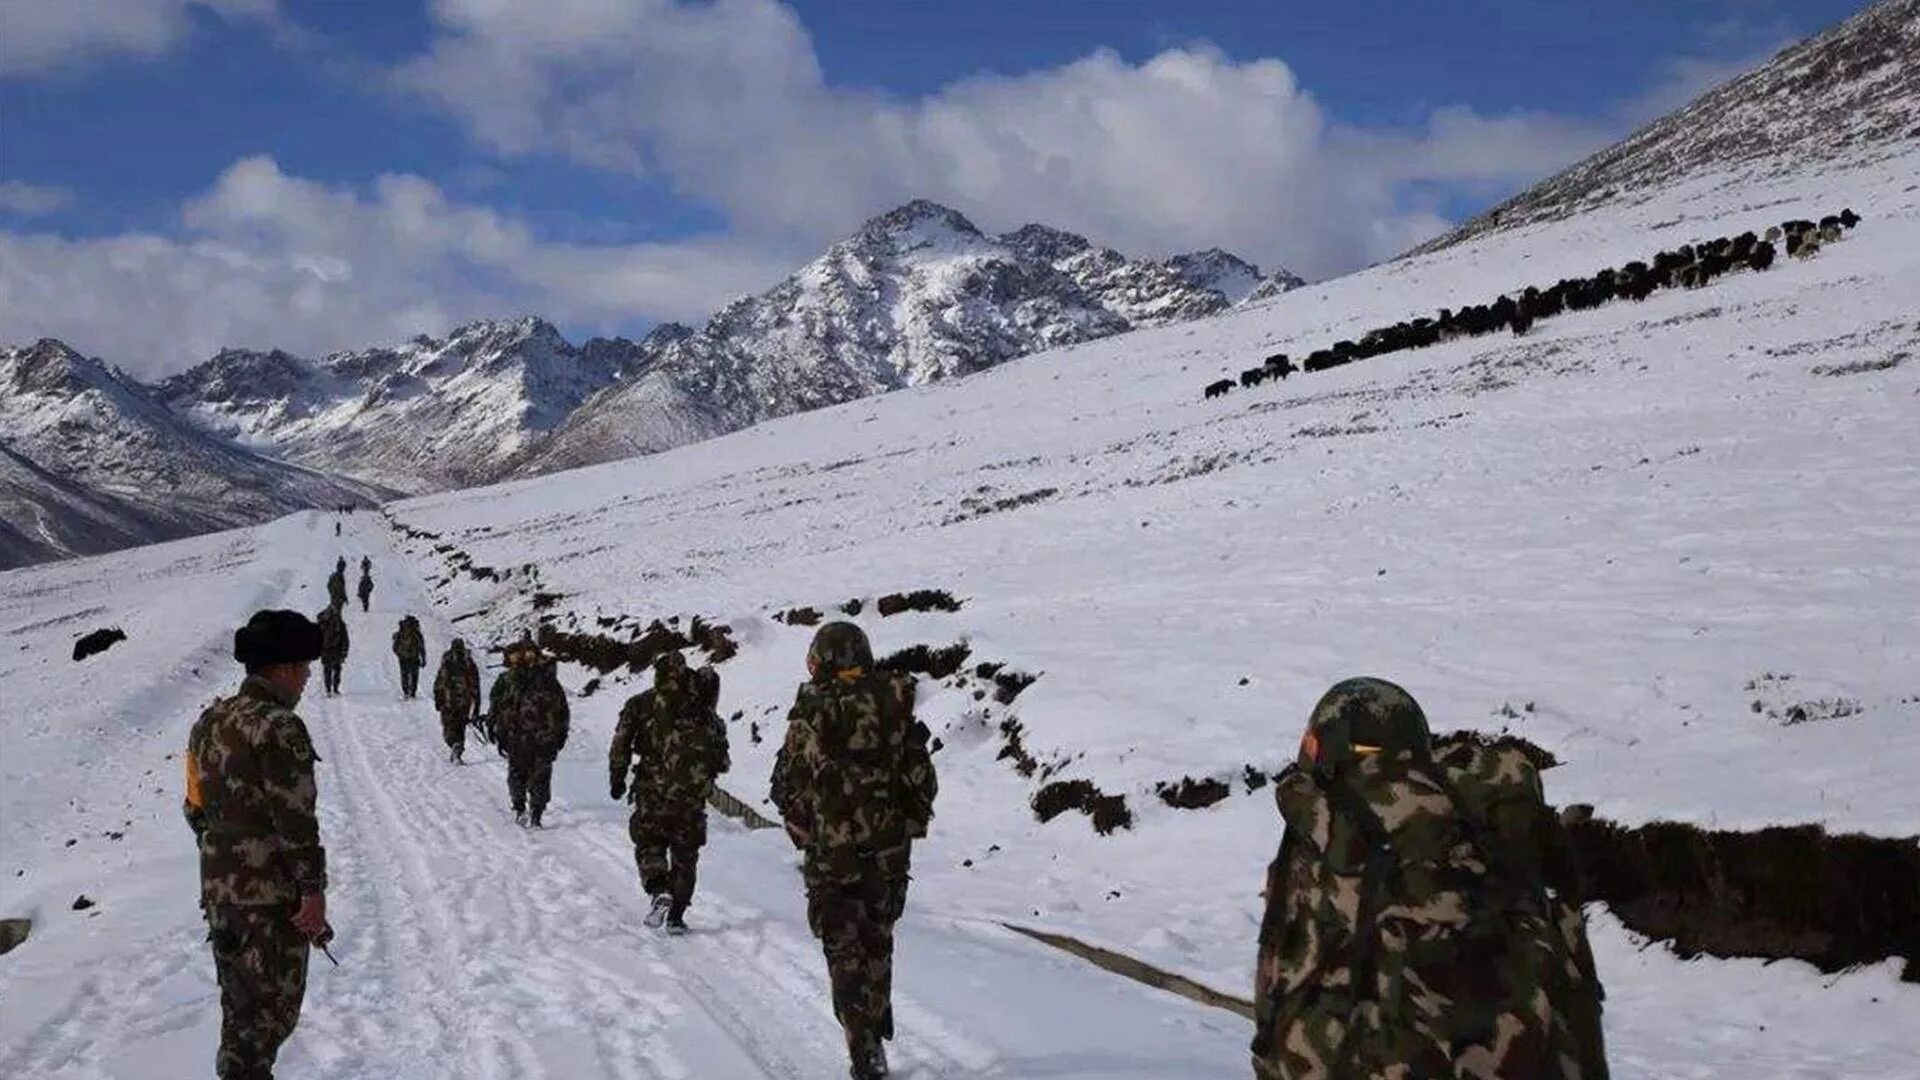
{"x": 456, "y": 686}
{"x": 337, "y": 587}
{"x": 250, "y": 771}
{"x": 1397, "y": 942}
{"x": 675, "y": 745}
{"x": 854, "y": 774}
{"x": 408, "y": 643}
{"x": 528, "y": 707}
{"x": 333, "y": 634}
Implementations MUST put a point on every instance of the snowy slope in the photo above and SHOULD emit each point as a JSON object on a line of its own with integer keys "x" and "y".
{"x": 424, "y": 415}
{"x": 90, "y": 462}
{"x": 1845, "y": 97}
{"x": 469, "y": 950}
{"x": 1625, "y": 519}
{"x": 1637, "y": 536}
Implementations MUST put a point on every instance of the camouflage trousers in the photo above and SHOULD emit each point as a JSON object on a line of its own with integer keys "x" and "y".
{"x": 453, "y": 728}
{"x": 529, "y": 777}
{"x": 853, "y": 917}
{"x": 409, "y": 677}
{"x": 330, "y": 673}
{"x": 260, "y": 961}
{"x": 667, "y": 840}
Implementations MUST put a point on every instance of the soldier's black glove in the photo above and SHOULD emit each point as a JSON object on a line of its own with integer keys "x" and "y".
{"x": 618, "y": 790}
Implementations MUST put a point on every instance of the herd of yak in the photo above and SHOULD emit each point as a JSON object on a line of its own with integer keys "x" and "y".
{"x": 1688, "y": 266}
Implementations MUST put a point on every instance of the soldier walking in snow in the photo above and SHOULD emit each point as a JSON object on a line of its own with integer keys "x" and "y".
{"x": 456, "y": 694}
{"x": 263, "y": 872}
{"x": 854, "y": 781}
{"x": 410, "y": 648}
{"x": 1422, "y": 914}
{"x": 530, "y": 718}
{"x": 672, "y": 741}
{"x": 366, "y": 584}
{"x": 333, "y": 646}
{"x": 337, "y": 584}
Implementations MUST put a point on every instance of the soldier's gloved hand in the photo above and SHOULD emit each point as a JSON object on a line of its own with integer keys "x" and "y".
{"x": 618, "y": 790}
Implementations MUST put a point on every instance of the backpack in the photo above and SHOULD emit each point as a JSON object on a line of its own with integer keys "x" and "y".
{"x": 871, "y": 793}
{"x": 1407, "y": 929}
{"x": 682, "y": 748}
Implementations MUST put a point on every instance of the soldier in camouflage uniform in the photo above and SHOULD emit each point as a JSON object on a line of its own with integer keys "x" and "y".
{"x": 456, "y": 694}
{"x": 671, "y": 740}
{"x": 854, "y": 782}
{"x": 333, "y": 647}
{"x": 263, "y": 873}
{"x": 410, "y": 648}
{"x": 337, "y": 584}
{"x": 1411, "y": 929}
{"x": 530, "y": 719}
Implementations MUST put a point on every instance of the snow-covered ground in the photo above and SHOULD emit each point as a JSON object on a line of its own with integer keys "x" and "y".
{"x": 1640, "y": 521}
{"x": 468, "y": 947}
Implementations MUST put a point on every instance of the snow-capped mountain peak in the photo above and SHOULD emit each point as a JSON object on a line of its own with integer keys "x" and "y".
{"x": 1219, "y": 271}
{"x": 424, "y": 414}
{"x": 918, "y": 222}
{"x": 915, "y": 295}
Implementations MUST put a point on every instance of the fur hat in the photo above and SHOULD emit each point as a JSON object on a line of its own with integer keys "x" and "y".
{"x": 276, "y": 637}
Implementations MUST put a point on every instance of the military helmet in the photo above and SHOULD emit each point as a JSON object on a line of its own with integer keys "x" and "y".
{"x": 1360, "y": 717}
{"x": 669, "y": 665}
{"x": 838, "y": 647}
{"x": 521, "y": 653}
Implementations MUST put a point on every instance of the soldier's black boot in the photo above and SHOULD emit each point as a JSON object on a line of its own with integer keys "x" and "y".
{"x": 534, "y": 818}
{"x": 677, "y": 920}
{"x": 520, "y": 815}
{"x": 869, "y": 1057}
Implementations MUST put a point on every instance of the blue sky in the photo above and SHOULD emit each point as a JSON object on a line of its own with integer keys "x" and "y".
{"x": 179, "y": 175}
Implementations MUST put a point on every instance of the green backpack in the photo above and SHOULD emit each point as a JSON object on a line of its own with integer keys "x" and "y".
{"x": 1408, "y": 931}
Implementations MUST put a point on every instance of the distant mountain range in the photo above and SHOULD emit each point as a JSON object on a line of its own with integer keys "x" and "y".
{"x": 91, "y": 461}
{"x": 916, "y": 295}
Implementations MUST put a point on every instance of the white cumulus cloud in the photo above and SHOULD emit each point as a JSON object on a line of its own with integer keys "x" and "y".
{"x": 266, "y": 259}
{"x": 32, "y": 200}
{"x": 38, "y": 37}
{"x": 726, "y": 102}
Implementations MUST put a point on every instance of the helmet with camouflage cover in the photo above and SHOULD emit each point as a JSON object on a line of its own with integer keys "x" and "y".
{"x": 1364, "y": 716}
{"x": 839, "y": 647}
{"x": 669, "y": 670}
{"x": 522, "y": 653}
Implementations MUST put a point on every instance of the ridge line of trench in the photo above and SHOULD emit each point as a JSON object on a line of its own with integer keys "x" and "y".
{"x": 1108, "y": 960}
